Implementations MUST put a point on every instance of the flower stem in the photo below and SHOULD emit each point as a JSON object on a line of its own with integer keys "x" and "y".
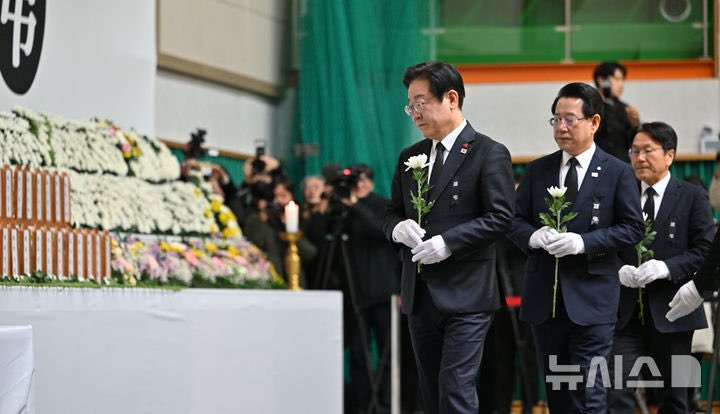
{"x": 555, "y": 287}
{"x": 419, "y": 184}
{"x": 641, "y": 314}
{"x": 557, "y": 264}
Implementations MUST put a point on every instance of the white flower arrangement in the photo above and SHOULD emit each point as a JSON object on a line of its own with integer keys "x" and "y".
{"x": 18, "y": 145}
{"x": 155, "y": 162}
{"x": 133, "y": 205}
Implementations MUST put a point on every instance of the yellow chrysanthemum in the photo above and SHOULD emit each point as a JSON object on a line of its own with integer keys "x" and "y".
{"x": 211, "y": 247}
{"x": 233, "y": 251}
{"x": 214, "y": 228}
{"x": 178, "y": 247}
{"x": 198, "y": 253}
{"x": 208, "y": 213}
{"x": 223, "y": 218}
{"x": 275, "y": 276}
{"x": 230, "y": 232}
{"x": 165, "y": 246}
{"x": 136, "y": 151}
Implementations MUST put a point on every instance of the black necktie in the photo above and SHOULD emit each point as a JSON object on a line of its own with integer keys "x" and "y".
{"x": 438, "y": 165}
{"x": 649, "y": 207}
{"x": 571, "y": 180}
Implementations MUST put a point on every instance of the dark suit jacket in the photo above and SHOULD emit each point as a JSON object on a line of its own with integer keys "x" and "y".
{"x": 474, "y": 200}
{"x": 683, "y": 228}
{"x": 589, "y": 282}
{"x": 707, "y": 279}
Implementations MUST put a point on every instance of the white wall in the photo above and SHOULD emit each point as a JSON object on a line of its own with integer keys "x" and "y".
{"x": 233, "y": 118}
{"x": 517, "y": 114}
{"x": 97, "y": 60}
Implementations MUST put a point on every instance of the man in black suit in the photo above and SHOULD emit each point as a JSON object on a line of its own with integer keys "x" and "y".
{"x": 450, "y": 303}
{"x": 681, "y": 217}
{"x": 705, "y": 282}
{"x": 603, "y": 191}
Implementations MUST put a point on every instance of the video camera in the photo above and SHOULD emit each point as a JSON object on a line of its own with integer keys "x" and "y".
{"x": 342, "y": 181}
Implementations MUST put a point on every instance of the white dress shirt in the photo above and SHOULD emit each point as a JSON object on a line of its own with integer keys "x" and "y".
{"x": 583, "y": 160}
{"x": 448, "y": 143}
{"x": 659, "y": 188}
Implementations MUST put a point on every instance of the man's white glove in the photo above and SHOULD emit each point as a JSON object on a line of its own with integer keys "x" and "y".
{"x": 565, "y": 244}
{"x": 686, "y": 300}
{"x": 539, "y": 239}
{"x": 408, "y": 232}
{"x": 627, "y": 276}
{"x": 651, "y": 270}
{"x": 431, "y": 251}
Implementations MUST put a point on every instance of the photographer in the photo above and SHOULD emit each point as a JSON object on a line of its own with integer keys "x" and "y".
{"x": 620, "y": 120}
{"x": 375, "y": 276}
{"x": 264, "y": 225}
{"x": 213, "y": 173}
{"x": 260, "y": 172}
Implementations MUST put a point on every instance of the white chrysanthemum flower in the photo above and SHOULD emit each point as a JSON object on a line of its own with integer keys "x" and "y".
{"x": 417, "y": 162}
{"x": 556, "y": 192}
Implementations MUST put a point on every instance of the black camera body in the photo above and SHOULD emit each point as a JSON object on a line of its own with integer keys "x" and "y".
{"x": 258, "y": 165}
{"x": 342, "y": 181}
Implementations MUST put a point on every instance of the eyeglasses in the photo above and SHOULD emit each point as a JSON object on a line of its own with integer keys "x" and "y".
{"x": 569, "y": 121}
{"x": 417, "y": 107}
{"x": 645, "y": 151}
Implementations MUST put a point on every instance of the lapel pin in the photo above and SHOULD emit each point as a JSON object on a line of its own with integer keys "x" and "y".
{"x": 594, "y": 174}
{"x": 464, "y": 148}
{"x": 455, "y": 196}
{"x": 455, "y": 183}
{"x": 599, "y": 168}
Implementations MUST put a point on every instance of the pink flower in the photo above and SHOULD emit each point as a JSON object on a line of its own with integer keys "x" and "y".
{"x": 192, "y": 259}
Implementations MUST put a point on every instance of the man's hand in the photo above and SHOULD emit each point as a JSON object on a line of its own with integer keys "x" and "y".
{"x": 408, "y": 232}
{"x": 565, "y": 244}
{"x": 633, "y": 116}
{"x": 540, "y": 238}
{"x": 651, "y": 270}
{"x": 686, "y": 300}
{"x": 431, "y": 251}
{"x": 627, "y": 276}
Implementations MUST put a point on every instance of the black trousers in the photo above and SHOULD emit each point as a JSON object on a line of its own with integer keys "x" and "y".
{"x": 636, "y": 340}
{"x": 573, "y": 344}
{"x": 448, "y": 351}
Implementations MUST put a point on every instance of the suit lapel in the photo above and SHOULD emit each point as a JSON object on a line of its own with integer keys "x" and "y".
{"x": 552, "y": 178}
{"x": 454, "y": 160}
{"x": 424, "y": 147}
{"x": 593, "y": 174}
{"x": 670, "y": 199}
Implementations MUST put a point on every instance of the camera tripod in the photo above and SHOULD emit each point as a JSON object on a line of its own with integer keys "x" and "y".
{"x": 334, "y": 240}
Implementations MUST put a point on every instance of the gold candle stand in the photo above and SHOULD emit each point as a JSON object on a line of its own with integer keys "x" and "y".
{"x": 292, "y": 259}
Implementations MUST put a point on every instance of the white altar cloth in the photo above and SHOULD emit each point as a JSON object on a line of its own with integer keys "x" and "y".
{"x": 192, "y": 351}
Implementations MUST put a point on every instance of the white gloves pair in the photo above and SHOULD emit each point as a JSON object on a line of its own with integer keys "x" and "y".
{"x": 409, "y": 233}
{"x": 557, "y": 244}
{"x": 637, "y": 277}
{"x": 687, "y": 298}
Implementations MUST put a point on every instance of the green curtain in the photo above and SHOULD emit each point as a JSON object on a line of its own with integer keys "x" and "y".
{"x": 350, "y": 94}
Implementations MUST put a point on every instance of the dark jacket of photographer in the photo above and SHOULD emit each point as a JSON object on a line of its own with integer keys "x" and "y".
{"x": 615, "y": 134}
{"x": 374, "y": 262}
